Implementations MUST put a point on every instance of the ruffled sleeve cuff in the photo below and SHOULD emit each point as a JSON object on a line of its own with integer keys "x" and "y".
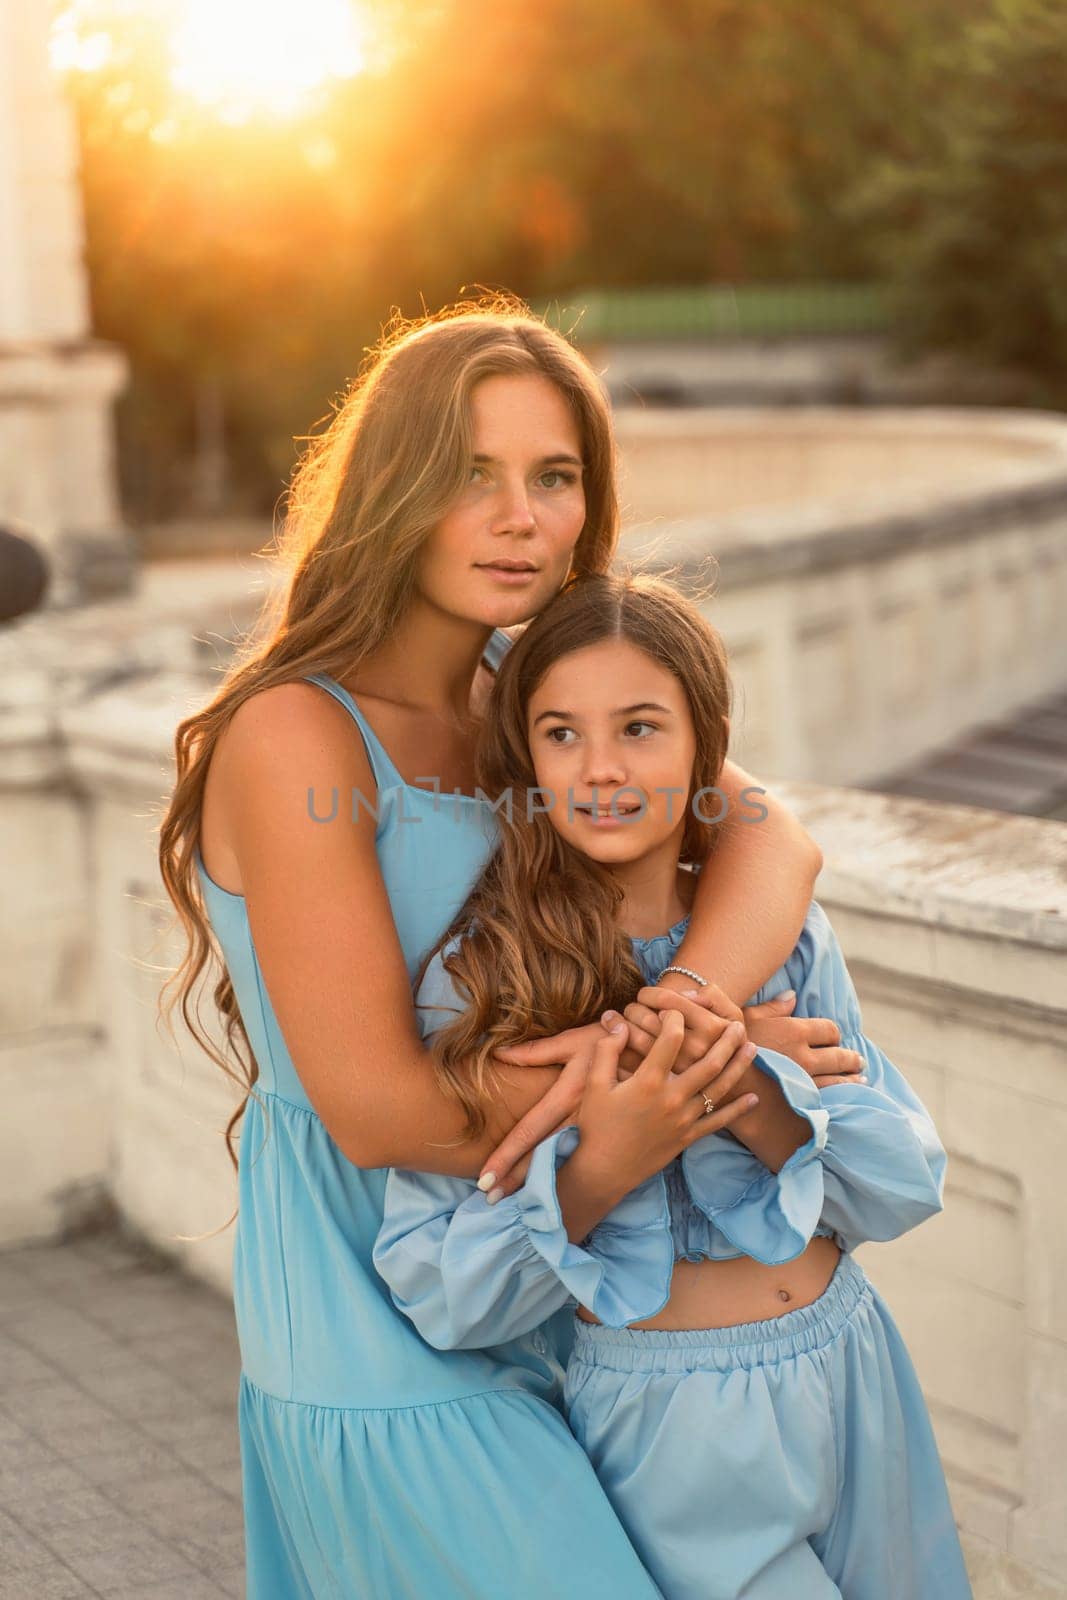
{"x": 622, "y": 1271}
{"x": 770, "y": 1216}
{"x": 884, "y": 1167}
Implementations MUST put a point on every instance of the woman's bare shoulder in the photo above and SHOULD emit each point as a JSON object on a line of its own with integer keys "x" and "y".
{"x": 281, "y": 745}
{"x": 287, "y": 723}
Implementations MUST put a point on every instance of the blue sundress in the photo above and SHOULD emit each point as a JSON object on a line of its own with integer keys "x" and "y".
{"x": 374, "y": 1466}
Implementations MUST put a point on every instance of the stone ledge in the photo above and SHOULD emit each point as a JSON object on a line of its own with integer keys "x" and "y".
{"x": 1019, "y": 473}
{"x": 814, "y": 538}
{"x": 953, "y": 867}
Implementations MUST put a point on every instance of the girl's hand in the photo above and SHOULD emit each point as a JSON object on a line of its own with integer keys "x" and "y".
{"x": 632, "y": 1127}
{"x": 505, "y": 1170}
{"x": 705, "y": 1019}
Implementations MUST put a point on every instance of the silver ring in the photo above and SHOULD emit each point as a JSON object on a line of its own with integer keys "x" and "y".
{"x": 708, "y": 1106}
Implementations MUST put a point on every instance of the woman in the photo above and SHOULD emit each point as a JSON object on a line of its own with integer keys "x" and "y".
{"x": 468, "y": 474}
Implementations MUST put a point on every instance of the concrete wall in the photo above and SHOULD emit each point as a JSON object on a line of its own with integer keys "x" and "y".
{"x": 883, "y": 582}
{"x": 97, "y": 1106}
{"x": 954, "y": 923}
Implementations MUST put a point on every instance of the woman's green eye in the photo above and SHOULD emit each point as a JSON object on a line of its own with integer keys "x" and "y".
{"x": 563, "y": 479}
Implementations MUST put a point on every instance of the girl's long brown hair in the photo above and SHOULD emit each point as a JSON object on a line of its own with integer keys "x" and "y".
{"x": 541, "y": 949}
{"x": 368, "y": 491}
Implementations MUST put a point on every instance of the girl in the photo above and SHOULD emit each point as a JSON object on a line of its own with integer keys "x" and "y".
{"x": 738, "y": 1384}
{"x": 466, "y": 477}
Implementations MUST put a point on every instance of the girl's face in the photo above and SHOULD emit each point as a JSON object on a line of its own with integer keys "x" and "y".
{"x": 503, "y": 549}
{"x": 611, "y": 720}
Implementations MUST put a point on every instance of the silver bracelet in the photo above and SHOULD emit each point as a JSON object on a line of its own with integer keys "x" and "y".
{"x": 689, "y": 973}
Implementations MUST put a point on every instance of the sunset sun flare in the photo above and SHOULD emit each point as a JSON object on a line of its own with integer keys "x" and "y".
{"x": 242, "y": 56}
{"x": 238, "y": 59}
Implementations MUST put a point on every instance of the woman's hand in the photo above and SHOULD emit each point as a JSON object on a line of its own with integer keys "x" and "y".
{"x": 505, "y": 1170}
{"x": 812, "y": 1042}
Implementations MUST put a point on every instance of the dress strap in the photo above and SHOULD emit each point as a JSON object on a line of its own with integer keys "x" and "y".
{"x": 385, "y": 772}
{"x": 497, "y": 647}
{"x": 386, "y": 775}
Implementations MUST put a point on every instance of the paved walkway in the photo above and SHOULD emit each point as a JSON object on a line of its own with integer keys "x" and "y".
{"x": 119, "y": 1464}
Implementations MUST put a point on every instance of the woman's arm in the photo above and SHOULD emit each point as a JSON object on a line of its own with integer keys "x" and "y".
{"x": 752, "y": 893}
{"x": 326, "y": 941}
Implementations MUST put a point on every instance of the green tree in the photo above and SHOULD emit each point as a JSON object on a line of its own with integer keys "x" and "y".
{"x": 974, "y": 224}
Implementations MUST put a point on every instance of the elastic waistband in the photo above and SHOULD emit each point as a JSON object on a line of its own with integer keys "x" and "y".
{"x": 745, "y": 1344}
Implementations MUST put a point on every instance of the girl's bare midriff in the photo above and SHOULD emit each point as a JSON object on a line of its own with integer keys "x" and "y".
{"x": 719, "y": 1294}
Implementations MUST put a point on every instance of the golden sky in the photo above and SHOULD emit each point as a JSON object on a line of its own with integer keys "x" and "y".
{"x": 239, "y": 59}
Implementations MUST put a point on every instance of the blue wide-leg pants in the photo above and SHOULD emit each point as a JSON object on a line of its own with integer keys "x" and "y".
{"x": 789, "y": 1459}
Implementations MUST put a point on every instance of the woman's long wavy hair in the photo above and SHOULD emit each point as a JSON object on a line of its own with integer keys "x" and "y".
{"x": 366, "y": 495}
{"x": 541, "y": 949}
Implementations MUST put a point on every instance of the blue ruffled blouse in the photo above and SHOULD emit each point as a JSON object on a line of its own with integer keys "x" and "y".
{"x": 470, "y": 1275}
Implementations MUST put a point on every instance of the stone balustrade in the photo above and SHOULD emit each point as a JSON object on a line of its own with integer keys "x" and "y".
{"x": 884, "y": 581}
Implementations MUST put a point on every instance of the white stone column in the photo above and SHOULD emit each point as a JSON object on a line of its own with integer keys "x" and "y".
{"x": 57, "y": 384}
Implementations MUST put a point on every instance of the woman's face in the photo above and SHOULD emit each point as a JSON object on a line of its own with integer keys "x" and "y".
{"x": 503, "y": 549}
{"x": 609, "y": 724}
